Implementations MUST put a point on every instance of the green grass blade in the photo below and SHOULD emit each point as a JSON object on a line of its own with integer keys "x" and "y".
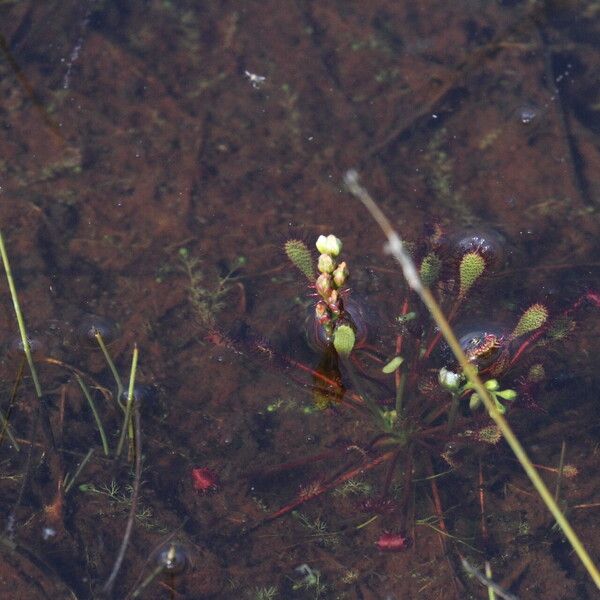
{"x": 92, "y": 406}
{"x": 19, "y": 315}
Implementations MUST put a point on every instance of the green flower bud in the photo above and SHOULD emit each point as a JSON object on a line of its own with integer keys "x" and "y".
{"x": 333, "y": 302}
{"x": 329, "y": 245}
{"x": 492, "y": 385}
{"x": 507, "y": 395}
{"x": 340, "y": 274}
{"x": 326, "y": 264}
{"x": 323, "y": 285}
{"x": 499, "y": 406}
{"x": 474, "y": 401}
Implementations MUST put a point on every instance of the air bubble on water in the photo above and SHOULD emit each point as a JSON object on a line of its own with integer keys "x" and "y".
{"x": 527, "y": 114}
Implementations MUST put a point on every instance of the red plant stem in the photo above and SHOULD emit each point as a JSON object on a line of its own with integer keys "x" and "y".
{"x": 437, "y": 502}
{"x": 390, "y": 474}
{"x": 301, "y": 499}
{"x": 318, "y": 375}
{"x": 438, "y": 336}
{"x": 315, "y": 374}
{"x": 408, "y": 491}
{"x": 294, "y": 464}
{"x": 484, "y": 531}
{"x": 526, "y": 344}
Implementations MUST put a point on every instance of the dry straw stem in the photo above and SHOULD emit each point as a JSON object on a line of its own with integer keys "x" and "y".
{"x": 396, "y": 248}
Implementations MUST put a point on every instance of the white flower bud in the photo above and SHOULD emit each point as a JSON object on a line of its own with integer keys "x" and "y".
{"x": 329, "y": 245}
{"x": 326, "y": 264}
{"x": 449, "y": 380}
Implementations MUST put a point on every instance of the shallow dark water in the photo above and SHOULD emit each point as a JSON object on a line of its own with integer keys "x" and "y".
{"x": 143, "y": 154}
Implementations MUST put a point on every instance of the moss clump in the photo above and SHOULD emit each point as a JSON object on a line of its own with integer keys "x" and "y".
{"x": 533, "y": 318}
{"x": 300, "y": 255}
{"x": 536, "y": 373}
{"x": 489, "y": 435}
{"x": 472, "y": 266}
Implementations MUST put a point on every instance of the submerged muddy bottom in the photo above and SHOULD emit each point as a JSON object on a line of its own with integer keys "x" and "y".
{"x": 150, "y": 178}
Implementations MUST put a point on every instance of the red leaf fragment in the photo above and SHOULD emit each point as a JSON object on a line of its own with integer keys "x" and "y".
{"x": 392, "y": 542}
{"x": 204, "y": 479}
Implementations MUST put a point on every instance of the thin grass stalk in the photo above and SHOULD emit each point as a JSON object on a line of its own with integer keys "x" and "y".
{"x": 396, "y": 248}
{"x": 69, "y": 482}
{"x": 561, "y": 466}
{"x": 111, "y": 366}
{"x": 127, "y": 424}
{"x": 151, "y": 577}
{"x": 110, "y": 582}
{"x": 20, "y": 320}
{"x": 92, "y": 405}
{"x": 137, "y": 588}
{"x": 6, "y": 429}
{"x": 13, "y": 395}
{"x": 487, "y": 581}
{"x": 489, "y": 575}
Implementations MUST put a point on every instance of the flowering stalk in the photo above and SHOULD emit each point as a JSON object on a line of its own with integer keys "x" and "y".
{"x": 329, "y": 310}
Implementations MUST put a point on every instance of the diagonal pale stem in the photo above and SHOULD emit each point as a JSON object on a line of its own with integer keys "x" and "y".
{"x": 396, "y": 248}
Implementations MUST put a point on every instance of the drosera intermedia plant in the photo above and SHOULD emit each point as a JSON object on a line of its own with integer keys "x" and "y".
{"x": 436, "y": 408}
{"x": 398, "y": 251}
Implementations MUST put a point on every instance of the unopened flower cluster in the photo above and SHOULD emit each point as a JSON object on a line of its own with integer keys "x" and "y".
{"x": 332, "y": 277}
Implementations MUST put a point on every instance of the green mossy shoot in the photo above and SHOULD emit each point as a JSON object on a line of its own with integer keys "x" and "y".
{"x": 471, "y": 268}
{"x": 533, "y": 318}
{"x": 430, "y": 269}
{"x": 301, "y": 257}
